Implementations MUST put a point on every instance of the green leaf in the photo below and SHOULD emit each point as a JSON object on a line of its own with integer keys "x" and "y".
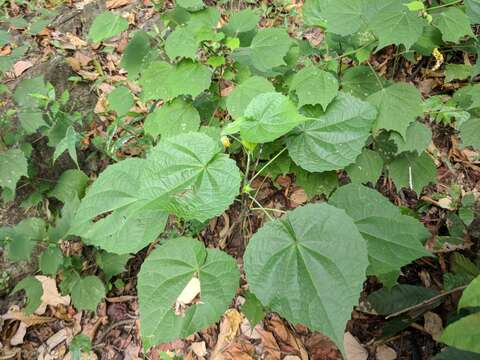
{"x": 68, "y": 143}
{"x": 63, "y": 224}
{"x": 417, "y": 138}
{"x": 314, "y": 86}
{"x": 136, "y": 53}
{"x": 268, "y": 49}
{"x": 111, "y": 264}
{"x": 471, "y": 295}
{"x": 120, "y": 100}
{"x": 455, "y": 354}
{"x": 335, "y": 139}
{"x": 192, "y": 5}
{"x": 50, "y": 260}
{"x": 267, "y": 117}
{"x": 463, "y": 334}
{"x": 469, "y": 131}
{"x": 344, "y": 17}
{"x": 458, "y": 72}
{"x": 316, "y": 183}
{"x": 473, "y": 10}
{"x": 294, "y": 270}
{"x": 394, "y": 23}
{"x": 167, "y": 271}
{"x": 240, "y": 22}
{"x": 360, "y": 81}
{"x": 5, "y": 37}
{"x": 24, "y": 90}
{"x": 185, "y": 175}
{"x": 312, "y": 13}
{"x": 402, "y": 296}
{"x": 21, "y": 239}
{"x": 14, "y": 165}
{"x": 80, "y": 344}
{"x": 33, "y": 290}
{"x": 413, "y": 171}
{"x": 182, "y": 42}
{"x": 253, "y": 309}
{"x": 393, "y": 240}
{"x": 367, "y": 167}
{"x": 106, "y": 25}
{"x": 244, "y": 93}
{"x": 131, "y": 224}
{"x": 87, "y": 293}
{"x": 453, "y": 24}
{"x": 164, "y": 81}
{"x": 172, "y": 119}
{"x": 189, "y": 177}
{"x": 398, "y": 105}
{"x": 71, "y": 183}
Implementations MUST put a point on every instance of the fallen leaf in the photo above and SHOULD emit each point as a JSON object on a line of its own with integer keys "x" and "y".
{"x": 75, "y": 40}
{"x": 298, "y": 197}
{"x": 114, "y": 4}
{"x": 248, "y": 331}
{"x": 187, "y": 296}
{"x": 385, "y": 352}
{"x": 270, "y": 343}
{"x": 228, "y": 329}
{"x": 21, "y": 66}
{"x": 74, "y": 63}
{"x": 433, "y": 325}
{"x": 353, "y": 349}
{"x": 29, "y": 320}
{"x": 50, "y": 294}
{"x": 199, "y": 348}
{"x": 240, "y": 351}
{"x": 17, "y": 339}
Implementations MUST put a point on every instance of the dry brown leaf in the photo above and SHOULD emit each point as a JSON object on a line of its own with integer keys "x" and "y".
{"x": 115, "y": 4}
{"x": 288, "y": 342}
{"x": 88, "y": 75}
{"x": 101, "y": 105}
{"x": 298, "y": 197}
{"x": 353, "y": 349}
{"x": 240, "y": 351}
{"x": 433, "y": 325}
{"x": 228, "y": 329}
{"x": 74, "y": 63}
{"x": 248, "y": 331}
{"x": 50, "y": 294}
{"x": 199, "y": 348}
{"x": 75, "y": 40}
{"x": 270, "y": 344}
{"x": 21, "y": 66}
{"x": 17, "y": 339}
{"x": 385, "y": 352}
{"x": 29, "y": 320}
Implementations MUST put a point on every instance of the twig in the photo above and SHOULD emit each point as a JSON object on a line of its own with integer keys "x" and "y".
{"x": 111, "y": 327}
{"x": 119, "y": 299}
{"x": 426, "y": 302}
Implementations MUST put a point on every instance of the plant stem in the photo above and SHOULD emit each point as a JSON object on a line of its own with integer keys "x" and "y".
{"x": 267, "y": 164}
{"x": 260, "y": 206}
{"x": 354, "y": 51}
{"x": 444, "y": 5}
{"x": 375, "y": 73}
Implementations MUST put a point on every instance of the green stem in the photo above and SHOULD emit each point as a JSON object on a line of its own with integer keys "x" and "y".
{"x": 444, "y": 5}
{"x": 354, "y": 51}
{"x": 375, "y": 73}
{"x": 260, "y": 206}
{"x": 267, "y": 164}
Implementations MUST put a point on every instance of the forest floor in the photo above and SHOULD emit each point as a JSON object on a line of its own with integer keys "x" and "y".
{"x": 59, "y": 52}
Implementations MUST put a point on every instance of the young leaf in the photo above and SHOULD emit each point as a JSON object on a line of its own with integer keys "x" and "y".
{"x": 111, "y": 264}
{"x": 87, "y": 293}
{"x": 294, "y": 270}
{"x": 68, "y": 143}
{"x": 314, "y": 86}
{"x": 344, "y": 17}
{"x": 244, "y": 93}
{"x": 167, "y": 271}
{"x": 463, "y": 334}
{"x": 367, "y": 167}
{"x": 471, "y": 295}
{"x": 394, "y": 23}
{"x": 267, "y": 117}
{"x": 21, "y": 239}
{"x": 417, "y": 138}
{"x": 136, "y": 53}
{"x": 360, "y": 81}
{"x": 253, "y": 309}
{"x": 71, "y": 183}
{"x": 106, "y": 25}
{"x": 469, "y": 131}
{"x": 120, "y": 100}
{"x": 50, "y": 260}
{"x": 164, "y": 81}
{"x": 413, "y": 171}
{"x": 172, "y": 119}
{"x": 181, "y": 43}
{"x": 453, "y": 24}
{"x": 14, "y": 165}
{"x": 268, "y": 49}
{"x": 335, "y": 139}
{"x": 398, "y": 105}
{"x": 393, "y": 240}
{"x": 34, "y": 291}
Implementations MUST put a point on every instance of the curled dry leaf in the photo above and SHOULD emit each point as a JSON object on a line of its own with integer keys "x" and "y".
{"x": 199, "y": 348}
{"x": 187, "y": 296}
{"x": 228, "y": 329}
{"x": 17, "y": 339}
{"x": 21, "y": 66}
{"x": 433, "y": 325}
{"x": 353, "y": 349}
{"x": 50, "y": 295}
